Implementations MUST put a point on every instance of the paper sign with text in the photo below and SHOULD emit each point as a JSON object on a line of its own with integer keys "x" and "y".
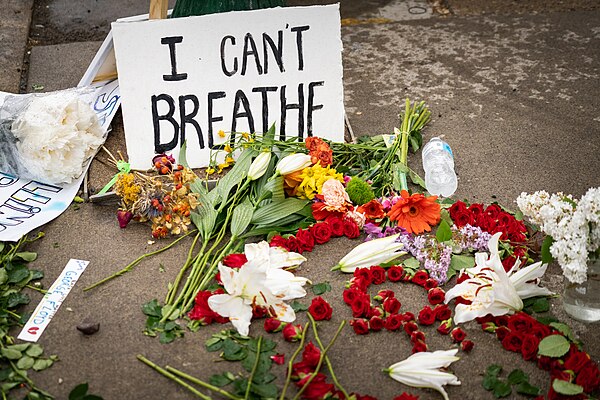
{"x": 186, "y": 79}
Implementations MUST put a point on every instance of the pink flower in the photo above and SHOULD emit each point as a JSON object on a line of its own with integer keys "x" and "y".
{"x": 334, "y": 195}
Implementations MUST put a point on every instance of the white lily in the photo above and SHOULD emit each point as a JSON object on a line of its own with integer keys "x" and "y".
{"x": 277, "y": 257}
{"x": 293, "y": 163}
{"x": 373, "y": 252}
{"x": 259, "y": 165}
{"x": 492, "y": 290}
{"x": 423, "y": 370}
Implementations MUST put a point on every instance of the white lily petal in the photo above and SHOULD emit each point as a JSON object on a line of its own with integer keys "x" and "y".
{"x": 234, "y": 308}
{"x": 369, "y": 253}
{"x": 228, "y": 278}
{"x": 285, "y": 284}
{"x": 525, "y": 281}
{"x": 284, "y": 312}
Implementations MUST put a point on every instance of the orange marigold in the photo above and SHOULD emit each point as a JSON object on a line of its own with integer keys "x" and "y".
{"x": 415, "y": 213}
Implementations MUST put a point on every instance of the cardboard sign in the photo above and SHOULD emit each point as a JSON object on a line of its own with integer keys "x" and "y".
{"x": 186, "y": 79}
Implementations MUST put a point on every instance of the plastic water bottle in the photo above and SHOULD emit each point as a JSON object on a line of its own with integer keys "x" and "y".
{"x": 438, "y": 163}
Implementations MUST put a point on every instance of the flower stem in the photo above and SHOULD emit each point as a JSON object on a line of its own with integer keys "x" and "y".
{"x": 327, "y": 361}
{"x": 172, "y": 377}
{"x": 256, "y": 360}
{"x": 323, "y": 355}
{"x": 291, "y": 362}
{"x": 197, "y": 381}
{"x": 136, "y": 262}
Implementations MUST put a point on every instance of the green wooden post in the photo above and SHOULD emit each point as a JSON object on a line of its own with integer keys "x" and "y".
{"x": 185, "y": 8}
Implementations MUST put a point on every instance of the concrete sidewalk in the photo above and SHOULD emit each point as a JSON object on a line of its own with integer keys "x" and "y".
{"x": 516, "y": 96}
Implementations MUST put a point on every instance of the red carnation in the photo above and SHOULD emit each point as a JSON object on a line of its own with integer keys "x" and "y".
{"x": 436, "y": 296}
{"x": 351, "y": 230}
{"x": 420, "y": 277}
{"x": 395, "y": 273}
{"x": 320, "y": 309}
{"x": 235, "y": 260}
{"x": 311, "y": 355}
{"x": 391, "y": 305}
{"x": 467, "y": 345}
{"x": 378, "y": 274}
{"x": 360, "y": 306}
{"x": 305, "y": 239}
{"x": 393, "y": 322}
{"x": 273, "y": 325}
{"x": 458, "y": 335}
{"x": 376, "y": 323}
{"x": 442, "y": 312}
{"x": 337, "y": 226}
{"x": 292, "y": 333}
{"x": 360, "y": 326}
{"x": 321, "y": 231}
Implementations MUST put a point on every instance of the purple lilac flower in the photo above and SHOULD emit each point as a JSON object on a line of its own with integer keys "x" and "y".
{"x": 471, "y": 238}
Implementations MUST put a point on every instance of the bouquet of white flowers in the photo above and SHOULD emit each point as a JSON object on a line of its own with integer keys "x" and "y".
{"x": 574, "y": 226}
{"x": 48, "y": 137}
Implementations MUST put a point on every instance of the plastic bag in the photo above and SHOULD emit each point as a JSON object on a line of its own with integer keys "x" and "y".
{"x": 49, "y": 137}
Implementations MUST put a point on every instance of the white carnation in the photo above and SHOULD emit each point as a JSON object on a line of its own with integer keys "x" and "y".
{"x": 56, "y": 135}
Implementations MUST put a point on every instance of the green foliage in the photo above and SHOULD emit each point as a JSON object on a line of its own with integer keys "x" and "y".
{"x": 501, "y": 387}
{"x": 359, "y": 191}
{"x": 321, "y": 288}
{"x": 553, "y": 346}
{"x": 166, "y": 331}
{"x": 80, "y": 392}
{"x": 443, "y": 233}
{"x": 566, "y": 388}
{"x": 536, "y": 304}
{"x": 297, "y": 306}
{"x": 546, "y": 256}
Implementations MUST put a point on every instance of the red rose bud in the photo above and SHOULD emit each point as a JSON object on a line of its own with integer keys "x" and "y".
{"x": 420, "y": 277}
{"x": 360, "y": 326}
{"x": 311, "y": 355}
{"x": 436, "y": 296}
{"x": 529, "y": 349}
{"x": 408, "y": 316}
{"x": 501, "y": 332}
{"x": 512, "y": 342}
{"x": 320, "y": 309}
{"x": 375, "y": 312}
{"x": 364, "y": 273}
{"x": 378, "y": 274}
{"x": 350, "y": 295}
{"x": 124, "y": 217}
{"x": 383, "y": 294}
{"x": 461, "y": 278}
{"x": 430, "y": 284}
{"x": 445, "y": 327}
{"x": 292, "y": 333}
{"x": 351, "y": 230}
{"x": 259, "y": 311}
{"x": 458, "y": 335}
{"x": 417, "y": 336}
{"x": 305, "y": 239}
{"x": 391, "y": 305}
{"x": 419, "y": 347}
{"x": 235, "y": 260}
{"x": 426, "y": 316}
{"x": 273, "y": 325}
{"x": 466, "y": 345}
{"x": 410, "y": 327}
{"x": 361, "y": 306}
{"x": 376, "y": 324}
{"x": 393, "y": 322}
{"x": 489, "y": 327}
{"x": 321, "y": 231}
{"x": 442, "y": 312}
{"x": 395, "y": 273}
{"x": 337, "y": 226}
{"x": 278, "y": 359}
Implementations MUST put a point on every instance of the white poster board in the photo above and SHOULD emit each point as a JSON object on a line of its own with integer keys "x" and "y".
{"x": 186, "y": 79}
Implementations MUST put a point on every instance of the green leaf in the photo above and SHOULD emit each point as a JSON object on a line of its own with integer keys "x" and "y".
{"x": 152, "y": 308}
{"x": 489, "y": 381}
{"x": 276, "y": 210}
{"x": 182, "y": 159}
{"x": 213, "y": 344}
{"x": 18, "y": 274}
{"x": 267, "y": 345}
{"x": 25, "y": 362}
{"x": 166, "y": 337}
{"x": 540, "y": 305}
{"x": 321, "y": 288}
{"x": 517, "y": 376}
{"x": 443, "y": 233}
{"x": 34, "y": 350}
{"x": 566, "y": 388}
{"x": 528, "y": 389}
{"x": 242, "y": 215}
{"x": 219, "y": 380}
{"x": 78, "y": 392}
{"x": 564, "y": 329}
{"x": 233, "y": 351}
{"x": 501, "y": 389}
{"x": 297, "y": 306}
{"x": 26, "y": 256}
{"x": 459, "y": 262}
{"x": 493, "y": 370}
{"x": 553, "y": 346}
{"x": 3, "y": 276}
{"x": 275, "y": 186}
{"x": 41, "y": 364}
{"x": 546, "y": 256}
{"x": 14, "y": 299}
{"x": 411, "y": 263}
{"x": 265, "y": 391}
{"x": 171, "y": 311}
{"x": 36, "y": 274}
{"x": 10, "y": 353}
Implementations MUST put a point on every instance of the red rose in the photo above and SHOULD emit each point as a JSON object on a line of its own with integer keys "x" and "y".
{"x": 378, "y": 274}
{"x": 361, "y": 306}
{"x": 408, "y": 316}
{"x": 202, "y": 312}
{"x": 426, "y": 316}
{"x": 376, "y": 323}
{"x": 445, "y": 327}
{"x": 521, "y": 322}
{"x": 359, "y": 284}
{"x": 350, "y": 295}
{"x": 395, "y": 273}
{"x": 406, "y": 396}
{"x": 466, "y": 345}
{"x": 458, "y": 335}
{"x": 393, "y": 322}
{"x": 351, "y": 230}
{"x": 259, "y": 311}
{"x": 337, "y": 226}
{"x": 278, "y": 359}
{"x": 320, "y": 309}
{"x": 364, "y": 273}
{"x": 292, "y": 333}
{"x": 501, "y": 320}
{"x": 589, "y": 377}
{"x": 375, "y": 312}
{"x": 576, "y": 359}
{"x": 318, "y": 389}
{"x": 462, "y": 218}
{"x": 436, "y": 296}
{"x": 417, "y": 336}
{"x": 529, "y": 348}
{"x": 321, "y": 231}
{"x": 409, "y": 327}
{"x": 273, "y": 325}
{"x": 476, "y": 209}
{"x": 458, "y": 206}
{"x": 360, "y": 326}
{"x": 430, "y": 283}
{"x": 359, "y": 397}
{"x": 301, "y": 370}
{"x": 311, "y": 355}
{"x": 305, "y": 239}
{"x": 391, "y": 305}
{"x": 512, "y": 342}
{"x": 540, "y": 330}
{"x": 461, "y": 278}
{"x": 235, "y": 260}
{"x": 124, "y": 217}
{"x": 544, "y": 362}
{"x": 442, "y": 312}
{"x": 419, "y": 347}
{"x": 420, "y": 277}
{"x": 278, "y": 241}
{"x": 501, "y": 332}
{"x": 293, "y": 244}
{"x": 492, "y": 210}
{"x": 383, "y": 294}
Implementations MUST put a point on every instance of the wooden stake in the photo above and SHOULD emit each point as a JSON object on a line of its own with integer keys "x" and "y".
{"x": 158, "y": 9}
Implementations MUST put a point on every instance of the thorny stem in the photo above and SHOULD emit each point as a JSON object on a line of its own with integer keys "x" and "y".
{"x": 291, "y": 362}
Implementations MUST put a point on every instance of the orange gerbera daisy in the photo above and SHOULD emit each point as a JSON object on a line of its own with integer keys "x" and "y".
{"x": 415, "y": 213}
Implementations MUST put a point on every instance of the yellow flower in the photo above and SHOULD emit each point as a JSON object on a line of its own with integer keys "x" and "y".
{"x": 221, "y": 133}
{"x": 228, "y": 148}
{"x": 210, "y": 171}
{"x": 229, "y": 160}
{"x": 313, "y": 179}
